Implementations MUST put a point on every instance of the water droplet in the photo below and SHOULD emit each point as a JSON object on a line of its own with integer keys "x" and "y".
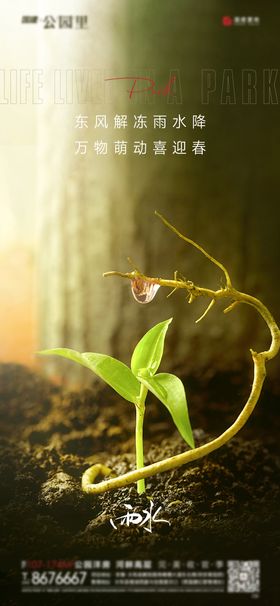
{"x": 143, "y": 291}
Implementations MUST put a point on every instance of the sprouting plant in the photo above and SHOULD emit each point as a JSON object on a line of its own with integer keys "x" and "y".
{"x": 133, "y": 385}
{"x": 144, "y": 289}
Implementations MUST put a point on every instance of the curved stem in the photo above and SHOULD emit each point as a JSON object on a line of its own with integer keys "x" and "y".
{"x": 259, "y": 362}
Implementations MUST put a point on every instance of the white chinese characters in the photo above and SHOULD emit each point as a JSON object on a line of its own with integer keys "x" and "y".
{"x": 110, "y": 127}
{"x": 132, "y": 518}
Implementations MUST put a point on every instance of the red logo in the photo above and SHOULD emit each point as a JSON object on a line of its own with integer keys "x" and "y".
{"x": 227, "y": 21}
{"x": 151, "y": 85}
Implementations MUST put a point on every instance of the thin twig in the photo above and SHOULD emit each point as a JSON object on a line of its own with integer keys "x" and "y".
{"x": 204, "y": 252}
{"x": 206, "y": 311}
{"x": 231, "y": 306}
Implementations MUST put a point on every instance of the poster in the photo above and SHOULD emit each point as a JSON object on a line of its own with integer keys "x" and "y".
{"x": 110, "y": 112}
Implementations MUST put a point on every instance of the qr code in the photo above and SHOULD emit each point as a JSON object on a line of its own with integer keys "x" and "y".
{"x": 243, "y": 576}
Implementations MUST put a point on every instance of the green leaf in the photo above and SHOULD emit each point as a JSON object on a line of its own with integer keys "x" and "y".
{"x": 112, "y": 371}
{"x": 169, "y": 389}
{"x": 148, "y": 352}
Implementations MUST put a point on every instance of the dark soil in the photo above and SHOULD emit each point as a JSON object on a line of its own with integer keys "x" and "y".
{"x": 222, "y": 506}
